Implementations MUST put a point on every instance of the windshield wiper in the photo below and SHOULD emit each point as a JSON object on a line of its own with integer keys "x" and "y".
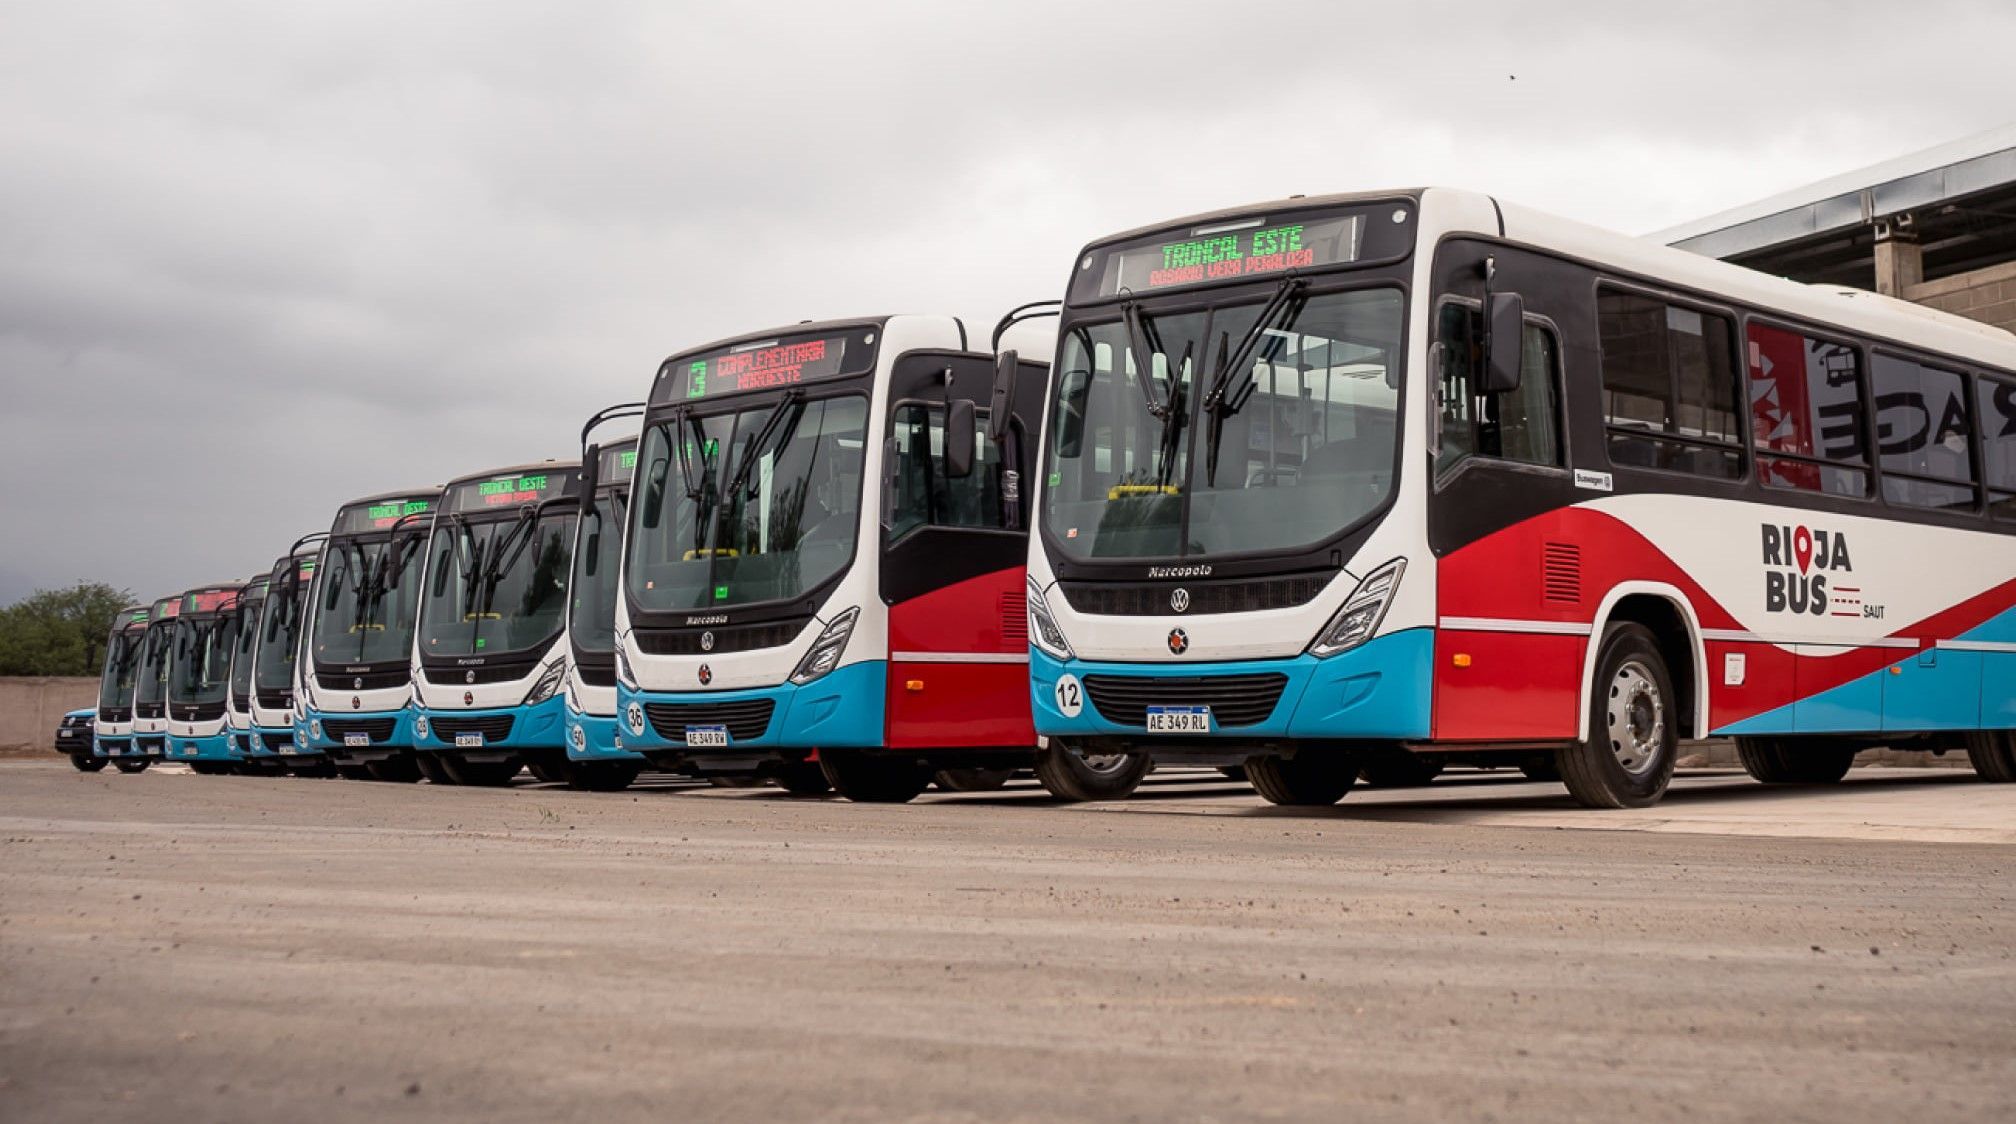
{"x": 754, "y": 449}
{"x": 1225, "y": 399}
{"x": 1143, "y": 340}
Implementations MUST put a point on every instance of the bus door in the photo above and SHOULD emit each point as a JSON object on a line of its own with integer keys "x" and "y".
{"x": 952, "y": 571}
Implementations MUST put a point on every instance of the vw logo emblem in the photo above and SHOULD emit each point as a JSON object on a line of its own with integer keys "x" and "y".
{"x": 706, "y": 641}
{"x": 634, "y": 715}
{"x": 706, "y": 675}
{"x": 356, "y": 703}
{"x": 1179, "y": 641}
{"x": 357, "y": 684}
{"x": 469, "y": 677}
{"x": 1179, "y": 600}
{"x": 468, "y": 698}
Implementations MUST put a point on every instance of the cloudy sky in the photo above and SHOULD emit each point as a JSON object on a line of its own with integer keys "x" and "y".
{"x": 257, "y": 259}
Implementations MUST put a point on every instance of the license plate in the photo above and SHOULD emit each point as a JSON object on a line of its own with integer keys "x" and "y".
{"x": 289, "y": 748}
{"x": 1179, "y": 719}
{"x": 469, "y": 741}
{"x": 358, "y": 741}
{"x": 706, "y": 736}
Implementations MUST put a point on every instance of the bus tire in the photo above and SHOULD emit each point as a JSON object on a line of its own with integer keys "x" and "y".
{"x": 803, "y": 778}
{"x": 547, "y": 771}
{"x": 602, "y": 776}
{"x": 971, "y": 780}
{"x": 85, "y": 763}
{"x": 354, "y": 772}
{"x": 1993, "y": 753}
{"x": 433, "y": 768}
{"x": 1634, "y": 734}
{"x": 130, "y": 766}
{"x": 1398, "y": 768}
{"x": 1313, "y": 778}
{"x": 482, "y": 774}
{"x": 396, "y": 770}
{"x": 1785, "y": 761}
{"x": 1066, "y": 775}
{"x": 868, "y": 779}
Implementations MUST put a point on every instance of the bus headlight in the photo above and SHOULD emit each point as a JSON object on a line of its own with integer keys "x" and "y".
{"x": 548, "y": 683}
{"x": 315, "y": 728}
{"x": 825, "y": 653}
{"x": 1043, "y": 627}
{"x": 1363, "y": 610}
{"x": 623, "y": 673}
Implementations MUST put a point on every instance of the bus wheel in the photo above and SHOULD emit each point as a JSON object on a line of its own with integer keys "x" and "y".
{"x": 85, "y": 763}
{"x": 354, "y": 772}
{"x": 1785, "y": 761}
{"x": 971, "y": 780}
{"x": 866, "y": 779}
{"x": 1540, "y": 767}
{"x": 483, "y": 774}
{"x": 432, "y": 767}
{"x": 1397, "y": 768}
{"x": 1096, "y": 776}
{"x": 1993, "y": 753}
{"x": 547, "y": 771}
{"x": 129, "y": 766}
{"x": 803, "y": 778}
{"x": 602, "y": 776}
{"x": 1311, "y": 778}
{"x": 1634, "y": 734}
{"x": 395, "y": 770}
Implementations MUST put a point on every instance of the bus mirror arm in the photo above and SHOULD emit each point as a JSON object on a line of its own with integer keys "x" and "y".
{"x": 1505, "y": 325}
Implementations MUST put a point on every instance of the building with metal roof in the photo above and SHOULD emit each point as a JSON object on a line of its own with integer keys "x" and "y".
{"x": 1936, "y": 227}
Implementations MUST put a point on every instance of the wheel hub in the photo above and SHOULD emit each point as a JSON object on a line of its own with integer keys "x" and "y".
{"x": 1636, "y": 718}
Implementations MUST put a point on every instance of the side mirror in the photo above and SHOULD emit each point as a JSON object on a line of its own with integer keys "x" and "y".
{"x": 960, "y": 438}
{"x": 1001, "y": 404}
{"x": 1504, "y": 342}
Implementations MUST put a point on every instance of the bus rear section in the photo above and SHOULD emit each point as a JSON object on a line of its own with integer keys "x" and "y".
{"x": 352, "y": 682}
{"x": 596, "y": 757}
{"x": 205, "y": 632}
{"x": 150, "y": 688}
{"x": 821, "y": 580}
{"x": 489, "y": 658}
{"x": 112, "y": 731}
{"x": 1336, "y": 483}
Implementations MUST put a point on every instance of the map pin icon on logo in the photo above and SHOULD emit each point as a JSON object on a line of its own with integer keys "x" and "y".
{"x": 1802, "y": 548}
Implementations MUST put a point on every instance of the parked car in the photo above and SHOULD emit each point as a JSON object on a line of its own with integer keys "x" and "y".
{"x": 73, "y": 738}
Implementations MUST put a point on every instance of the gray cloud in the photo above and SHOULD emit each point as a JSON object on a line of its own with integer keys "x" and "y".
{"x": 255, "y": 261}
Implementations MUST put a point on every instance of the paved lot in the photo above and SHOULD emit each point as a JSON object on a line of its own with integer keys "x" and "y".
{"x": 182, "y": 947}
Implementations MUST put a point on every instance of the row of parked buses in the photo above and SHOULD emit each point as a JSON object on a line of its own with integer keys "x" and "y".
{"x": 1317, "y": 489}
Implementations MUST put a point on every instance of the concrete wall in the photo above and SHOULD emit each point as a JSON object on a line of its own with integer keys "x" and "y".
{"x": 31, "y": 707}
{"x": 1987, "y": 295}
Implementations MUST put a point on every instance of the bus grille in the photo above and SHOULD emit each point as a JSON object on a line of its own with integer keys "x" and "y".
{"x": 196, "y": 712}
{"x": 369, "y": 681}
{"x": 379, "y": 729}
{"x": 493, "y": 727}
{"x": 1235, "y": 700}
{"x": 276, "y": 742}
{"x": 154, "y": 743}
{"x": 1112, "y": 599}
{"x": 745, "y": 720}
{"x": 115, "y": 714}
{"x": 727, "y": 638}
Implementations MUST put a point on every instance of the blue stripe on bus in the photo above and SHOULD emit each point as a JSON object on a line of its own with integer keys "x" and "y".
{"x": 1381, "y": 689}
{"x": 542, "y": 725}
{"x": 845, "y": 708}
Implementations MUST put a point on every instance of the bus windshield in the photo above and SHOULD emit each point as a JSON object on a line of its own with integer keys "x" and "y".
{"x": 202, "y": 659}
{"x": 495, "y": 587}
{"x": 758, "y": 504}
{"x": 115, "y": 686}
{"x": 359, "y": 617}
{"x": 1264, "y": 425}
{"x": 151, "y": 682}
{"x": 591, "y": 626}
{"x": 279, "y": 626}
{"x": 244, "y": 647}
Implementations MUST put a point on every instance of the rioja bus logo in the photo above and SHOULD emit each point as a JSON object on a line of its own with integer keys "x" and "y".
{"x": 1801, "y": 561}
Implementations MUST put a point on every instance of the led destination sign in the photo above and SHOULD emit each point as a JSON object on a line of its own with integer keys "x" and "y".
{"x": 1243, "y": 249}
{"x": 362, "y": 518}
{"x": 617, "y": 466}
{"x": 771, "y": 364}
{"x": 209, "y": 601}
{"x": 512, "y": 490}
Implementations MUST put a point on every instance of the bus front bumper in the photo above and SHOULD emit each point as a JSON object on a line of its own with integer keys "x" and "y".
{"x": 842, "y": 709}
{"x": 201, "y": 747}
{"x": 493, "y": 733}
{"x": 1380, "y": 690}
{"x": 595, "y": 737}
{"x": 335, "y": 734}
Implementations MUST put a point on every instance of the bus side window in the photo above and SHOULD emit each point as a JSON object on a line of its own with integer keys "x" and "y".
{"x": 1669, "y": 386}
{"x": 1922, "y": 433}
{"x": 1520, "y": 425}
{"x": 924, "y": 495}
{"x": 1998, "y": 443}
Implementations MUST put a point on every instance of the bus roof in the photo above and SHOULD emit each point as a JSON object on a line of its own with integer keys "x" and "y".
{"x": 802, "y": 327}
{"x": 404, "y": 493}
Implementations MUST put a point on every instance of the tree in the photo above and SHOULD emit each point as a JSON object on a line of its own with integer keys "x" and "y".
{"x": 59, "y": 631}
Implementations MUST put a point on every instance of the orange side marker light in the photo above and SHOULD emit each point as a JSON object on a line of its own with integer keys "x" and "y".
{"x": 1460, "y": 659}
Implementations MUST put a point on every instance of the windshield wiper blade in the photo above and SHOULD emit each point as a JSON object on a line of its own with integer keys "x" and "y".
{"x": 754, "y": 449}
{"x": 1141, "y": 340}
{"x": 1227, "y": 397}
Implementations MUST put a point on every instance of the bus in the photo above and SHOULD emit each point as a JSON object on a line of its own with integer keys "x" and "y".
{"x": 823, "y": 564}
{"x": 488, "y": 657}
{"x": 596, "y": 758}
{"x": 150, "y": 688}
{"x": 351, "y": 681}
{"x": 238, "y": 733}
{"x": 200, "y": 675}
{"x": 1422, "y": 472}
{"x": 274, "y": 744}
{"x": 112, "y": 733}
